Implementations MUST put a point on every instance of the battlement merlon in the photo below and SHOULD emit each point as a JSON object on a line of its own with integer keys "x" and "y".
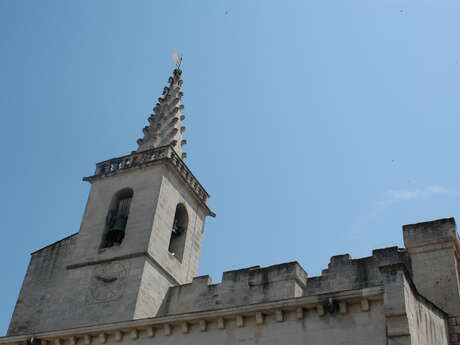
{"x": 163, "y": 154}
{"x": 431, "y": 233}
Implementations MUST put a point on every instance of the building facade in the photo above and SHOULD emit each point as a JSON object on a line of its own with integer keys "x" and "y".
{"x": 130, "y": 274}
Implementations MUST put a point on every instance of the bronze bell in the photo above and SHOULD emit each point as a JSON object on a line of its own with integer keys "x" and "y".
{"x": 117, "y": 230}
{"x": 120, "y": 223}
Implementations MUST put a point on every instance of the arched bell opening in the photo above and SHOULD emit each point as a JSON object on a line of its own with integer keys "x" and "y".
{"x": 117, "y": 218}
{"x": 178, "y": 232}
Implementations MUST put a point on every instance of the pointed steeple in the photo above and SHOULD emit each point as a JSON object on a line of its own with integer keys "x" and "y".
{"x": 165, "y": 124}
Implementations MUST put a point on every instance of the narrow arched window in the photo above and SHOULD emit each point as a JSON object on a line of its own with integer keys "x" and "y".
{"x": 178, "y": 232}
{"x": 117, "y": 218}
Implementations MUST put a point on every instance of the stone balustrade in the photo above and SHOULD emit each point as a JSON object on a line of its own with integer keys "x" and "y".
{"x": 148, "y": 157}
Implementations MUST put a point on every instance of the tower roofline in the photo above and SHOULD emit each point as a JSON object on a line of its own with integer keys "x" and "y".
{"x": 165, "y": 154}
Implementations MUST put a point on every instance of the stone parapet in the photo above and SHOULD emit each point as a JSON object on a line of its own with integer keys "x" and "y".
{"x": 145, "y": 158}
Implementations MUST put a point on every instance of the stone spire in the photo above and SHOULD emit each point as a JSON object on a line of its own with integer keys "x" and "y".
{"x": 165, "y": 124}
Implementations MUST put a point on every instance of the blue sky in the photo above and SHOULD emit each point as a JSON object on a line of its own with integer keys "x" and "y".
{"x": 318, "y": 127}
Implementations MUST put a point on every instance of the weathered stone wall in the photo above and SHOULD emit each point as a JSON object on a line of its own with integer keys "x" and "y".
{"x": 290, "y": 323}
{"x": 434, "y": 251}
{"x": 38, "y": 292}
{"x": 56, "y": 297}
{"x": 410, "y": 318}
{"x": 427, "y": 324}
{"x": 345, "y": 273}
{"x": 343, "y": 303}
{"x": 173, "y": 192}
{"x": 75, "y": 282}
{"x": 356, "y": 327}
{"x": 433, "y": 248}
{"x": 152, "y": 291}
{"x": 157, "y": 191}
{"x": 146, "y": 184}
{"x": 239, "y": 287}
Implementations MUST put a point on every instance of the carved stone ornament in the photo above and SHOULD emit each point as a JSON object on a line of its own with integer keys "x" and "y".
{"x": 107, "y": 282}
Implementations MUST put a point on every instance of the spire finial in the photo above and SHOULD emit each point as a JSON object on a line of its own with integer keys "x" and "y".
{"x": 165, "y": 124}
{"x": 177, "y": 58}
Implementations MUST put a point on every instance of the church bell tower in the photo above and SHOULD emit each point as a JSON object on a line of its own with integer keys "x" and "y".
{"x": 140, "y": 234}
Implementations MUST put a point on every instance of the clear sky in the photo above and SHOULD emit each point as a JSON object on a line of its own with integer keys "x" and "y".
{"x": 318, "y": 127}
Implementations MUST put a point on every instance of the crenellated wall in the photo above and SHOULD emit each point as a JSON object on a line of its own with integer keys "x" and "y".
{"x": 240, "y": 287}
{"x": 392, "y": 314}
{"x": 289, "y": 280}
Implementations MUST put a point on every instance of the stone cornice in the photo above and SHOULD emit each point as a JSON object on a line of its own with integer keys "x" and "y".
{"x": 164, "y": 154}
{"x": 148, "y": 327}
